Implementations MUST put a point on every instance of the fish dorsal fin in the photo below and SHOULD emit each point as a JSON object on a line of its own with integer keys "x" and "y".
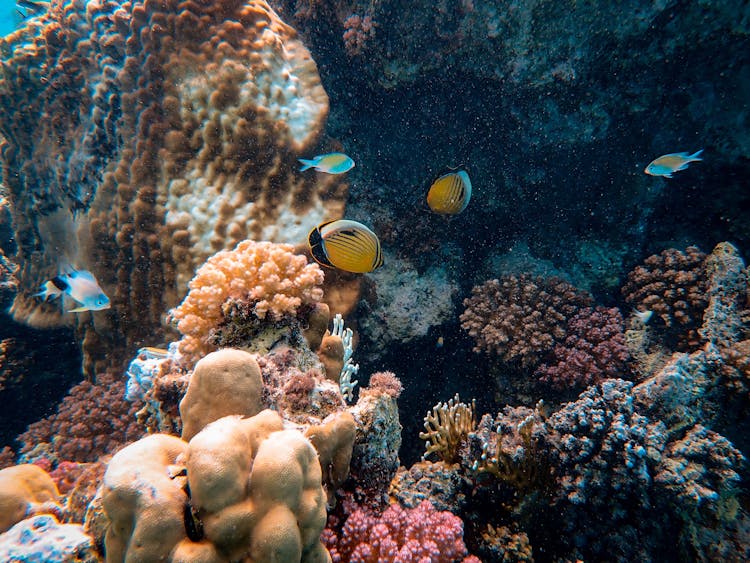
{"x": 82, "y": 275}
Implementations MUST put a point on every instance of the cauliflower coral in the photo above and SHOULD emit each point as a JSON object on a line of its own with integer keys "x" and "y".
{"x": 267, "y": 277}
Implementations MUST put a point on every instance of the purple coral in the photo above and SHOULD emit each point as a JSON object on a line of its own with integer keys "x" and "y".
{"x": 593, "y": 350}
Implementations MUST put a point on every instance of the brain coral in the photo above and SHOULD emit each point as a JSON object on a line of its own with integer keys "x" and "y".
{"x": 172, "y": 132}
{"x": 268, "y": 277}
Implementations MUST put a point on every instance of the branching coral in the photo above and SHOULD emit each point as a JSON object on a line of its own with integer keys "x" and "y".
{"x": 594, "y": 349}
{"x": 408, "y": 535}
{"x": 447, "y": 426}
{"x": 94, "y": 419}
{"x": 519, "y": 318}
{"x": 672, "y": 285}
{"x": 268, "y": 279}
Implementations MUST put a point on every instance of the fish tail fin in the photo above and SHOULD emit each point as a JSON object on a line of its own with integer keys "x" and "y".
{"x": 306, "y": 164}
{"x": 696, "y": 155}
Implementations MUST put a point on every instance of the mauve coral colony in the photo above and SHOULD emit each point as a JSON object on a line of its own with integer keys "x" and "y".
{"x": 236, "y": 443}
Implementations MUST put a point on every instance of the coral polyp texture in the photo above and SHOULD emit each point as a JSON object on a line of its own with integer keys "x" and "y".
{"x": 520, "y": 317}
{"x": 593, "y": 350}
{"x": 263, "y": 280}
{"x": 413, "y": 535}
{"x": 673, "y": 286}
{"x": 184, "y": 120}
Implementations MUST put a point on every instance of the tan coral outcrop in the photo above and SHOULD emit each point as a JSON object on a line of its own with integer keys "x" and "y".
{"x": 144, "y": 504}
{"x": 334, "y": 440}
{"x": 224, "y": 382}
{"x": 25, "y": 490}
{"x": 255, "y": 495}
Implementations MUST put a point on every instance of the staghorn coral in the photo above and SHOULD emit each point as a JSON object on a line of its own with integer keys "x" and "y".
{"x": 672, "y": 285}
{"x": 520, "y": 317}
{"x": 92, "y": 420}
{"x": 594, "y": 349}
{"x": 447, "y": 426}
{"x": 416, "y": 534}
{"x": 182, "y": 124}
{"x": 267, "y": 281}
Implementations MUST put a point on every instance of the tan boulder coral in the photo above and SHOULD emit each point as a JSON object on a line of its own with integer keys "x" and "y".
{"x": 255, "y": 494}
{"x": 26, "y": 490}
{"x": 225, "y": 382}
{"x": 145, "y": 505}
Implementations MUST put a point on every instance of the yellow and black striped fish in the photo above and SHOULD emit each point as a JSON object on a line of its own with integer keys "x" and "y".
{"x": 450, "y": 194}
{"x": 346, "y": 245}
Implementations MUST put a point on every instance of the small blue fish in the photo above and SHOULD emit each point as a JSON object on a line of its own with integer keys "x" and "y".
{"x": 79, "y": 285}
{"x": 668, "y": 164}
{"x": 331, "y": 163}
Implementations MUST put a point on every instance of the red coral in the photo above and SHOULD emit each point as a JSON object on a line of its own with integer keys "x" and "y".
{"x": 673, "y": 286}
{"x": 593, "y": 350}
{"x": 399, "y": 535}
{"x": 520, "y": 318}
{"x": 92, "y": 420}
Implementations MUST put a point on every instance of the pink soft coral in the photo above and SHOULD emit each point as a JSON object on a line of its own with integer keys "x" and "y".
{"x": 399, "y": 535}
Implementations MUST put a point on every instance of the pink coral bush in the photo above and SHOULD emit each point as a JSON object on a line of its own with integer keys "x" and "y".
{"x": 594, "y": 349}
{"x": 416, "y": 535}
{"x": 267, "y": 276}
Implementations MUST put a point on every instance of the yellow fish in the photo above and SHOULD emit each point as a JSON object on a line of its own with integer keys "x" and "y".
{"x": 668, "y": 164}
{"x": 346, "y": 245}
{"x": 331, "y": 163}
{"x": 450, "y": 193}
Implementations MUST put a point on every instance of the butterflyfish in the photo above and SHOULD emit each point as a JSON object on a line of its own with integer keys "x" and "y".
{"x": 331, "y": 163}
{"x": 668, "y": 164}
{"x": 450, "y": 193}
{"x": 79, "y": 285}
{"x": 346, "y": 245}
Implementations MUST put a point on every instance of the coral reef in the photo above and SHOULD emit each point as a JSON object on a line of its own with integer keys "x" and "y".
{"x": 415, "y": 534}
{"x": 26, "y": 490}
{"x": 406, "y": 304}
{"x": 262, "y": 283}
{"x": 185, "y": 121}
{"x": 43, "y": 538}
{"x": 278, "y": 516}
{"x": 672, "y": 285}
{"x": 594, "y": 349}
{"x": 519, "y": 317}
{"x": 91, "y": 421}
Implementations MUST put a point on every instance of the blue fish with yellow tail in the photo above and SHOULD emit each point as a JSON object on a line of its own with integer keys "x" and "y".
{"x": 79, "y": 285}
{"x": 668, "y": 164}
{"x": 331, "y": 163}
